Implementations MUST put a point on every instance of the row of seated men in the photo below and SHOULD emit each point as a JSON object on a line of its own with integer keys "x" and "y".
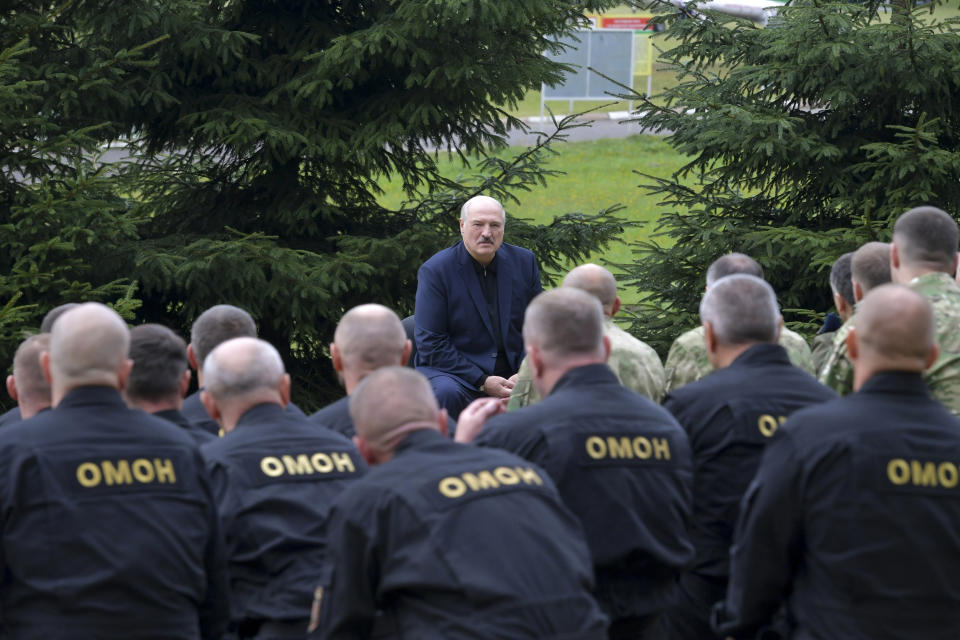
{"x": 751, "y": 503}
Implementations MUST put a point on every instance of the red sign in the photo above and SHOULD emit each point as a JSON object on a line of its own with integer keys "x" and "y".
{"x": 635, "y": 23}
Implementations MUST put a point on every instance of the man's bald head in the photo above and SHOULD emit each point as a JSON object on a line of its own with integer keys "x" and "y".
{"x": 241, "y": 367}
{"x": 29, "y": 386}
{"x": 564, "y": 324}
{"x": 217, "y": 325}
{"x": 89, "y": 346}
{"x": 742, "y": 309}
{"x": 731, "y": 264}
{"x": 46, "y": 326}
{"x": 370, "y": 336}
{"x": 870, "y": 267}
{"x": 390, "y": 403}
{"x": 894, "y": 332}
{"x": 596, "y": 281}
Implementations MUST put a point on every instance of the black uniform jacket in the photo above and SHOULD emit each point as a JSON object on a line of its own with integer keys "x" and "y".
{"x": 622, "y": 465}
{"x": 854, "y": 520}
{"x": 194, "y": 411}
{"x": 451, "y": 541}
{"x": 336, "y": 416}
{"x": 10, "y": 417}
{"x": 275, "y": 475}
{"x": 199, "y": 434}
{"x": 730, "y": 416}
{"x": 109, "y": 526}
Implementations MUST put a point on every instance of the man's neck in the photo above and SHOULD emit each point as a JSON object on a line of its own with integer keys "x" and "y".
{"x": 157, "y": 406}
{"x": 905, "y": 275}
{"x": 725, "y": 354}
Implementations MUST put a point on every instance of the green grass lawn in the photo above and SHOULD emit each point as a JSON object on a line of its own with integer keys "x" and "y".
{"x": 597, "y": 174}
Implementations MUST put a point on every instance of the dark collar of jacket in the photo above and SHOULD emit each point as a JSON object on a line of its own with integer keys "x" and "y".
{"x": 419, "y": 439}
{"x": 92, "y": 396}
{"x": 908, "y": 383}
{"x": 586, "y": 376}
{"x": 762, "y": 353}
{"x": 174, "y": 416}
{"x": 267, "y": 412}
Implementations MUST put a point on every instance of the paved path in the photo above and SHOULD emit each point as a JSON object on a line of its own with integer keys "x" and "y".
{"x": 602, "y": 126}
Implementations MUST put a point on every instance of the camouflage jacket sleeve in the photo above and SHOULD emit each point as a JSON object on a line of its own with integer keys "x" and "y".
{"x": 820, "y": 349}
{"x": 837, "y": 371}
{"x": 943, "y": 377}
{"x": 636, "y": 364}
{"x": 798, "y": 350}
{"x": 523, "y": 393}
{"x": 687, "y": 360}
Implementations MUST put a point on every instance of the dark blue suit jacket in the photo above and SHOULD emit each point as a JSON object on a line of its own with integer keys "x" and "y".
{"x": 453, "y": 331}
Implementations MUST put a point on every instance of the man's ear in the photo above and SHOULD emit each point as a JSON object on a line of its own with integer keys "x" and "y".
{"x": 366, "y": 452}
{"x": 536, "y": 360}
{"x": 894, "y": 256}
{"x": 123, "y": 373}
{"x": 210, "y": 405}
{"x": 284, "y": 389}
{"x": 185, "y": 383}
{"x": 606, "y": 348}
{"x": 841, "y": 304}
{"x": 12, "y": 388}
{"x": 615, "y": 307}
{"x": 336, "y": 358}
{"x": 407, "y": 348}
{"x": 934, "y": 354}
{"x": 857, "y": 291}
{"x": 45, "y": 366}
{"x": 442, "y": 422}
{"x": 192, "y": 357}
{"x": 779, "y": 327}
{"x": 853, "y": 346}
{"x": 709, "y": 337}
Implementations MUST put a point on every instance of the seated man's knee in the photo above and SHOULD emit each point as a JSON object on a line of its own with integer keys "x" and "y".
{"x": 450, "y": 394}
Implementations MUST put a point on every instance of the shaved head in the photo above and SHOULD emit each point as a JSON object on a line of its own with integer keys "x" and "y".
{"x": 370, "y": 336}
{"x": 217, "y": 325}
{"x": 742, "y": 309}
{"x": 88, "y": 346}
{"x": 870, "y": 266}
{"x": 733, "y": 263}
{"x": 159, "y": 362}
{"x": 47, "y": 324}
{"x": 564, "y": 323}
{"x": 596, "y": 281}
{"x": 32, "y": 387}
{"x": 390, "y": 403}
{"x": 926, "y": 237}
{"x": 895, "y": 329}
{"x": 242, "y": 367}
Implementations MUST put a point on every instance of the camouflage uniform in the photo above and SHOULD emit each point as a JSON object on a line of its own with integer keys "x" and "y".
{"x": 635, "y": 363}
{"x": 687, "y": 360}
{"x": 943, "y": 378}
{"x": 836, "y": 371}
{"x": 820, "y": 348}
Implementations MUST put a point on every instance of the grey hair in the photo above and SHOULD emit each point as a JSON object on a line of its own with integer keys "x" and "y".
{"x": 732, "y": 263}
{"x": 465, "y": 209}
{"x": 742, "y": 309}
{"x": 241, "y": 365}
{"x": 840, "y": 277}
{"x": 564, "y": 322}
{"x": 219, "y": 324}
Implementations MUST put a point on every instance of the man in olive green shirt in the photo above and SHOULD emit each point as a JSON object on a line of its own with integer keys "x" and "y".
{"x": 635, "y": 363}
{"x": 687, "y": 359}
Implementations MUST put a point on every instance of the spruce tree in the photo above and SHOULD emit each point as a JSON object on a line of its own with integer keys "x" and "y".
{"x": 806, "y": 139}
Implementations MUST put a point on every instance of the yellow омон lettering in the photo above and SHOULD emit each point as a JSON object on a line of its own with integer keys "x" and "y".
{"x": 947, "y": 475}
{"x": 529, "y": 476}
{"x": 481, "y": 480}
{"x": 297, "y": 466}
{"x": 661, "y": 448}
{"x": 642, "y": 447}
{"x": 271, "y": 466}
{"x": 506, "y": 475}
{"x": 322, "y": 463}
{"x": 343, "y": 462}
{"x": 88, "y": 474}
{"x": 143, "y": 470}
{"x": 164, "y": 469}
{"x": 620, "y": 447}
{"x": 119, "y": 474}
{"x": 768, "y": 424}
{"x": 452, "y": 487}
{"x": 596, "y": 448}
{"x": 924, "y": 475}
